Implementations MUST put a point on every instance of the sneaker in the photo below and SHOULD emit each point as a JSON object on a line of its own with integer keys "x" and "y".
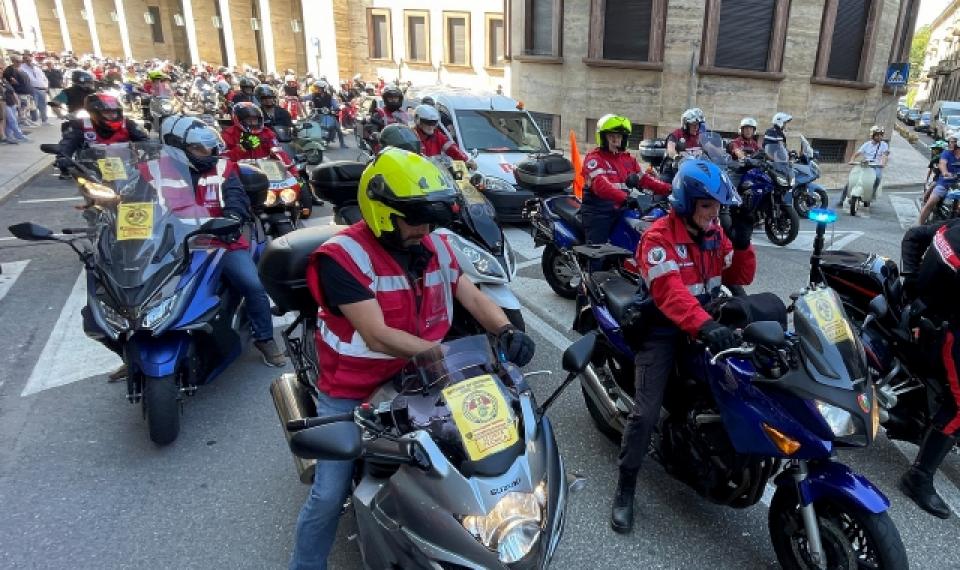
{"x": 24, "y": 139}
{"x": 272, "y": 356}
{"x": 10, "y": 141}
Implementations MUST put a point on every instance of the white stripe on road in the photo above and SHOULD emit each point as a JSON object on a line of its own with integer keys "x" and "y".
{"x": 69, "y": 355}
{"x": 9, "y": 272}
{"x": 906, "y": 209}
{"x": 804, "y": 242}
{"x": 44, "y": 200}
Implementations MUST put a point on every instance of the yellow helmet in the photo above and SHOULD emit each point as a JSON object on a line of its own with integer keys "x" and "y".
{"x": 611, "y": 123}
{"x": 407, "y": 185}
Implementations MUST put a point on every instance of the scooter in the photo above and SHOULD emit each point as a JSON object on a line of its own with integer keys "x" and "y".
{"x": 459, "y": 442}
{"x": 155, "y": 294}
{"x": 773, "y": 408}
{"x": 807, "y": 194}
{"x": 860, "y": 183}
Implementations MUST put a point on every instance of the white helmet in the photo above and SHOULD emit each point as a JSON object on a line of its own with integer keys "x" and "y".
{"x": 748, "y": 122}
{"x": 290, "y": 77}
{"x": 781, "y": 119}
{"x": 876, "y": 129}
{"x": 426, "y": 113}
{"x": 691, "y": 115}
{"x": 181, "y": 130}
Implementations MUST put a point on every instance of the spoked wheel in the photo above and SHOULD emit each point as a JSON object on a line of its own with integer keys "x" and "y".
{"x": 803, "y": 201}
{"x": 782, "y": 226}
{"x": 852, "y": 539}
{"x": 561, "y": 273}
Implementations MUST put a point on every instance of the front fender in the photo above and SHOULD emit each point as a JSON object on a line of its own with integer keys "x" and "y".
{"x": 157, "y": 356}
{"x": 563, "y": 237}
{"x": 832, "y": 481}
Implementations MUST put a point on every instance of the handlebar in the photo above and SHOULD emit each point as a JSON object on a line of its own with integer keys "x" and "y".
{"x": 306, "y": 423}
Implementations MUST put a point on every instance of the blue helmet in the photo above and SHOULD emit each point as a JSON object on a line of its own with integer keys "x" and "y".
{"x": 700, "y": 179}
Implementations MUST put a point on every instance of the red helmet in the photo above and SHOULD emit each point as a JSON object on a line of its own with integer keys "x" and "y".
{"x": 248, "y": 117}
{"x": 105, "y": 111}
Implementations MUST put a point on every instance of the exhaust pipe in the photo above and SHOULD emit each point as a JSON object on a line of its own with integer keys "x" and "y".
{"x": 591, "y": 382}
{"x": 294, "y": 402}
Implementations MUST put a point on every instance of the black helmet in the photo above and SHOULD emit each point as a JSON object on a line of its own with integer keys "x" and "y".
{"x": 392, "y": 98}
{"x": 82, "y": 79}
{"x": 400, "y": 136}
{"x": 265, "y": 91}
{"x": 248, "y": 117}
{"x": 247, "y": 83}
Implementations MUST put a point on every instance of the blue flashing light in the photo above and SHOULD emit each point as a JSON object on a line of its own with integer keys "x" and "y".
{"x": 822, "y": 216}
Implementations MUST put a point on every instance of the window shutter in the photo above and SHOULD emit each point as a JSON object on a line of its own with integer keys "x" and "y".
{"x": 457, "y": 34}
{"x": 847, "y": 42}
{"x": 541, "y": 27}
{"x": 626, "y": 29}
{"x": 743, "y": 37}
{"x": 418, "y": 38}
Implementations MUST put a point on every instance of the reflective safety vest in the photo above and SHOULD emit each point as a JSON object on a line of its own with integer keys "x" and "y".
{"x": 90, "y": 134}
{"x": 424, "y": 308}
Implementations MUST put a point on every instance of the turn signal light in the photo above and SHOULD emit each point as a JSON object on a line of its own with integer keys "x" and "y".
{"x": 785, "y": 444}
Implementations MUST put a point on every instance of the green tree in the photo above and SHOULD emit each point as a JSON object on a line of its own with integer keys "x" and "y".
{"x": 918, "y": 50}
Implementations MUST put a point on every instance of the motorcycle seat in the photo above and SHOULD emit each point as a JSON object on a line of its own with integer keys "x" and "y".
{"x": 618, "y": 291}
{"x": 567, "y": 208}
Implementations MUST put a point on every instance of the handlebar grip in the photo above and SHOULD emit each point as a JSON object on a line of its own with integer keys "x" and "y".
{"x": 71, "y": 231}
{"x": 306, "y": 423}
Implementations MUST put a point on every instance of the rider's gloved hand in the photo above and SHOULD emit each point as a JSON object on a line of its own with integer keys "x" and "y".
{"x": 250, "y": 142}
{"x": 717, "y": 336}
{"x": 633, "y": 181}
{"x": 233, "y": 236}
{"x": 515, "y": 345}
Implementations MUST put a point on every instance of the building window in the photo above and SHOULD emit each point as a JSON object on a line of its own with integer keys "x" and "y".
{"x": 157, "y": 26}
{"x": 418, "y": 36}
{"x": 627, "y": 31}
{"x": 745, "y": 34}
{"x": 496, "y": 40}
{"x": 831, "y": 150}
{"x": 548, "y": 123}
{"x": 456, "y": 35}
{"x": 378, "y": 32}
{"x": 542, "y": 27}
{"x": 846, "y": 40}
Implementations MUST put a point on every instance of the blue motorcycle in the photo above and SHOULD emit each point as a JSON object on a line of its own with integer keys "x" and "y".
{"x": 807, "y": 194}
{"x": 772, "y": 410}
{"x": 766, "y": 185}
{"x": 155, "y": 293}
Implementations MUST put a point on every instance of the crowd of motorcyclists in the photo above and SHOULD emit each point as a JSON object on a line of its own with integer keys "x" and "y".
{"x": 386, "y": 285}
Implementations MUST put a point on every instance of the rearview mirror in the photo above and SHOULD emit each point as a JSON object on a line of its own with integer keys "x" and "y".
{"x": 764, "y": 333}
{"x": 50, "y": 148}
{"x": 879, "y": 307}
{"x": 29, "y": 231}
{"x": 338, "y": 441}
{"x": 577, "y": 356}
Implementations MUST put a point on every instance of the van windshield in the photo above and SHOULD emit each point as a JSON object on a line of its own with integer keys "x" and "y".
{"x": 499, "y": 131}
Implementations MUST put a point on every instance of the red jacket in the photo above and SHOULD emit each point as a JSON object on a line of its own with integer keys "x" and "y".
{"x": 676, "y": 269}
{"x": 606, "y": 174}
{"x": 438, "y": 143}
{"x": 749, "y": 146}
{"x": 232, "y": 136}
{"x": 348, "y": 367}
{"x": 90, "y": 134}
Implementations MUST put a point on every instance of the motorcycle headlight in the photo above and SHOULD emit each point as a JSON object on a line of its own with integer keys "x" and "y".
{"x": 782, "y": 180}
{"x": 271, "y": 198}
{"x": 482, "y": 261}
{"x": 494, "y": 184}
{"x": 112, "y": 317}
{"x": 159, "y": 313}
{"x": 841, "y": 422}
{"x": 513, "y": 526}
{"x": 288, "y": 196}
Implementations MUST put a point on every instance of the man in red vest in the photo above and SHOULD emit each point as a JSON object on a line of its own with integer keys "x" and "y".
{"x": 386, "y": 287}
{"x": 104, "y": 125}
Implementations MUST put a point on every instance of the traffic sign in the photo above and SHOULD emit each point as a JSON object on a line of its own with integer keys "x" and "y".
{"x": 897, "y": 74}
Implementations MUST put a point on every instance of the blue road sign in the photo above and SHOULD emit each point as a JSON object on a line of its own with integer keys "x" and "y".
{"x": 897, "y": 74}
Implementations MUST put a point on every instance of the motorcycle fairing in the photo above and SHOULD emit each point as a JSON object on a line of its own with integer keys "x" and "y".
{"x": 835, "y": 482}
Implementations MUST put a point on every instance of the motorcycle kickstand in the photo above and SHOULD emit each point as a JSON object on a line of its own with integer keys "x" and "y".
{"x": 809, "y": 515}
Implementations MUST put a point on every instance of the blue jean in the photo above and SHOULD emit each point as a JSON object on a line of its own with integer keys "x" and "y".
{"x": 40, "y": 96}
{"x": 12, "y": 130}
{"x": 317, "y": 523}
{"x": 241, "y": 274}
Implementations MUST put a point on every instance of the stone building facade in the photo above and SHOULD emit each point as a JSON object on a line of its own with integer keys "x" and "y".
{"x": 823, "y": 61}
{"x": 940, "y": 78}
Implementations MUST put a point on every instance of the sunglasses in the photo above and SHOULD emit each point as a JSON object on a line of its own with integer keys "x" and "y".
{"x": 428, "y": 123}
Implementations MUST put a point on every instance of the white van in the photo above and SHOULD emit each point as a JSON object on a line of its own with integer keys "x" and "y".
{"x": 499, "y": 131}
{"x": 939, "y": 113}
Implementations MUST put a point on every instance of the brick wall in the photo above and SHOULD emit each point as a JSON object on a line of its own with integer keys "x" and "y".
{"x": 108, "y": 31}
{"x": 79, "y": 29}
{"x": 208, "y": 37}
{"x": 244, "y": 39}
{"x": 289, "y": 47}
{"x": 49, "y": 26}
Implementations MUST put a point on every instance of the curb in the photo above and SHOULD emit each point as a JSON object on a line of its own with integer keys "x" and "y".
{"x": 25, "y": 176}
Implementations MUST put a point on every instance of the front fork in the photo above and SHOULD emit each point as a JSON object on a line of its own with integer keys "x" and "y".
{"x": 809, "y": 515}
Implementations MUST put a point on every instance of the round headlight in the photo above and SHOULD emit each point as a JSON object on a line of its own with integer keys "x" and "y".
{"x": 271, "y": 199}
{"x": 288, "y": 196}
{"x": 516, "y": 540}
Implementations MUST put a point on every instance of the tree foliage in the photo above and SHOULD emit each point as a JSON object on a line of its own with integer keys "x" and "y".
{"x": 918, "y": 50}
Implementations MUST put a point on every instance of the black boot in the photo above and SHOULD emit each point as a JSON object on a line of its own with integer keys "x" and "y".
{"x": 917, "y": 483}
{"x": 621, "y": 518}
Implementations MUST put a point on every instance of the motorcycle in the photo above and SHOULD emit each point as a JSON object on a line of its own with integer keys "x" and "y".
{"x": 860, "y": 183}
{"x": 291, "y": 103}
{"x": 280, "y": 208}
{"x": 309, "y": 140}
{"x": 807, "y": 195}
{"x": 773, "y": 408}
{"x": 154, "y": 290}
{"x": 348, "y": 115}
{"x": 767, "y": 187}
{"x": 460, "y": 442}
{"x": 948, "y": 207}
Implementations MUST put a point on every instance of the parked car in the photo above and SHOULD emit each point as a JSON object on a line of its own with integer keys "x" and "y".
{"x": 939, "y": 113}
{"x": 902, "y": 112}
{"x": 913, "y": 115}
{"x": 923, "y": 124}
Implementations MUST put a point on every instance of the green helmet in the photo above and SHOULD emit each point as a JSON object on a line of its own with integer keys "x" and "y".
{"x": 613, "y": 124}
{"x": 939, "y": 144}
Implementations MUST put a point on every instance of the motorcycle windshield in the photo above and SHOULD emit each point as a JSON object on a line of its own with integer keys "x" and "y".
{"x": 454, "y": 393}
{"x": 831, "y": 351}
{"x": 806, "y": 150}
{"x": 476, "y": 212}
{"x": 140, "y": 235}
{"x": 779, "y": 160}
{"x": 712, "y": 147}
{"x": 112, "y": 163}
{"x": 284, "y": 133}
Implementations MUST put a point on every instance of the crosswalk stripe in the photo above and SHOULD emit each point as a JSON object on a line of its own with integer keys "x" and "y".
{"x": 9, "y": 273}
{"x": 906, "y": 210}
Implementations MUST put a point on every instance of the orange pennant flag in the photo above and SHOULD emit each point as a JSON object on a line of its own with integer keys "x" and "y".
{"x": 577, "y": 166}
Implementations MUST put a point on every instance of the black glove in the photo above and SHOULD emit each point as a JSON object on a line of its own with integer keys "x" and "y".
{"x": 233, "y": 236}
{"x": 717, "y": 336}
{"x": 515, "y": 345}
{"x": 63, "y": 163}
{"x": 633, "y": 181}
{"x": 741, "y": 228}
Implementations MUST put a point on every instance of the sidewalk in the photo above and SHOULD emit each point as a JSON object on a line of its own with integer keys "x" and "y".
{"x": 907, "y": 168}
{"x": 19, "y": 163}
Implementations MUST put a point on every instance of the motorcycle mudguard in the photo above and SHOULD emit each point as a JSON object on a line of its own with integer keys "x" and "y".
{"x": 813, "y": 187}
{"x": 563, "y": 237}
{"x": 832, "y": 481}
{"x": 500, "y": 294}
{"x": 157, "y": 356}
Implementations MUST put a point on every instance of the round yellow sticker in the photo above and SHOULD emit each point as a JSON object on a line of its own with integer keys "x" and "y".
{"x": 134, "y": 221}
{"x": 482, "y": 416}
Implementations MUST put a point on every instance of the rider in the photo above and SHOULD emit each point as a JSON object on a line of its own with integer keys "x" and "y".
{"x": 81, "y": 85}
{"x": 321, "y": 97}
{"x": 219, "y": 190}
{"x": 390, "y": 111}
{"x": 931, "y": 260}
{"x": 746, "y": 144}
{"x": 684, "y": 258}
{"x": 610, "y": 172}
{"x": 248, "y": 138}
{"x": 876, "y": 152}
{"x": 385, "y": 287}
{"x": 691, "y": 121}
{"x": 775, "y": 134}
{"x": 104, "y": 125}
{"x": 246, "y": 93}
{"x": 273, "y": 115}
{"x": 432, "y": 139}
{"x": 933, "y": 168}
{"x": 949, "y": 168}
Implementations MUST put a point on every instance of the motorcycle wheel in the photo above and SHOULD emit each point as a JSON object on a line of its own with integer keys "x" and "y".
{"x": 598, "y": 419}
{"x": 803, "y": 202}
{"x": 161, "y": 404}
{"x": 783, "y": 229}
{"x": 853, "y": 205}
{"x": 516, "y": 319}
{"x": 559, "y": 273}
{"x": 851, "y": 538}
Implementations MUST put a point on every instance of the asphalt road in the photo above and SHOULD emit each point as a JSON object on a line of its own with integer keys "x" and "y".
{"x": 82, "y": 487}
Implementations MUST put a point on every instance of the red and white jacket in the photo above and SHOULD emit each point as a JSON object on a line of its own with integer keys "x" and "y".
{"x": 348, "y": 367}
{"x": 91, "y": 136}
{"x": 438, "y": 143}
{"x": 606, "y": 175}
{"x": 676, "y": 269}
